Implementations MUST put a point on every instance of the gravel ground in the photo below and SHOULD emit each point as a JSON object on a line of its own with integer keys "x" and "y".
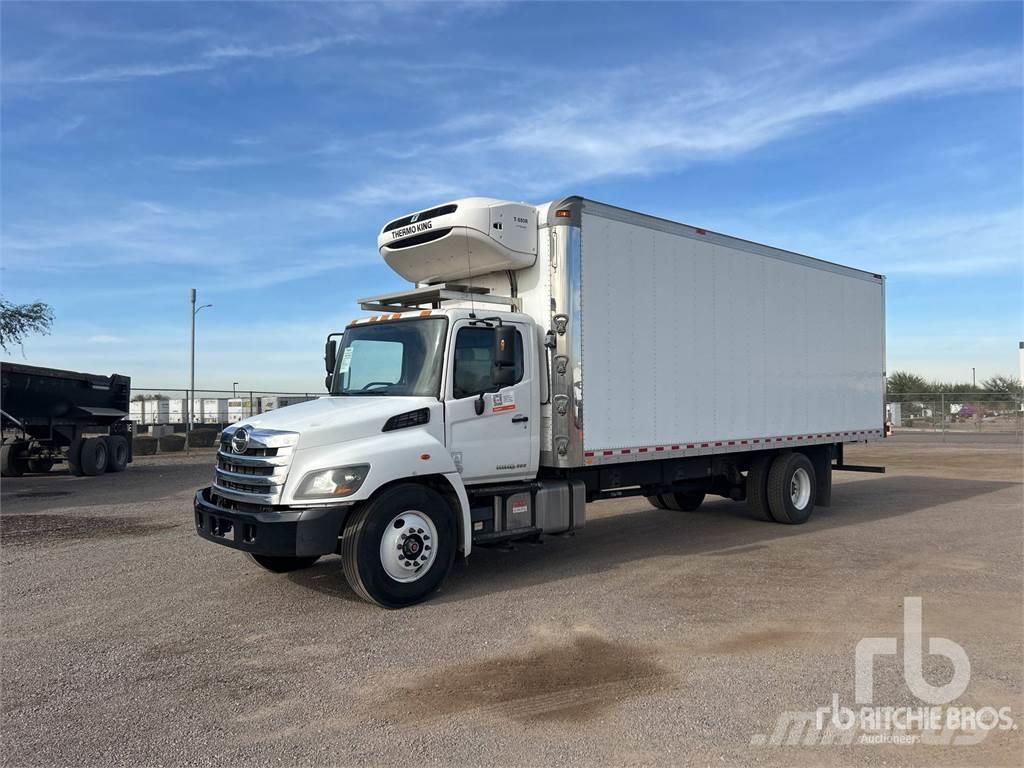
{"x": 648, "y": 638}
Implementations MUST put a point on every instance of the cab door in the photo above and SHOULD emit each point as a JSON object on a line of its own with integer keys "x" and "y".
{"x": 502, "y": 441}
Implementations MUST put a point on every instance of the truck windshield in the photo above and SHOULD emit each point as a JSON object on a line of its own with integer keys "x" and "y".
{"x": 402, "y": 357}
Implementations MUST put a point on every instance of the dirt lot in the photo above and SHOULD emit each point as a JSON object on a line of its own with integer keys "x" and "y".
{"x": 649, "y": 637}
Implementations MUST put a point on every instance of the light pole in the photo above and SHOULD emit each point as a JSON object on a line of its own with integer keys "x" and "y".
{"x": 192, "y": 391}
{"x": 974, "y": 379}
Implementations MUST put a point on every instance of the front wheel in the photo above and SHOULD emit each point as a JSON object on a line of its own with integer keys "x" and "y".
{"x": 283, "y": 564}
{"x": 397, "y": 549}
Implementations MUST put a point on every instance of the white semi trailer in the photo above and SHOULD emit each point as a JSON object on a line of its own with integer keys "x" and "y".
{"x": 545, "y": 357}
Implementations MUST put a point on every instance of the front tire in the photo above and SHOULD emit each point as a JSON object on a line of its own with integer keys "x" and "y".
{"x": 397, "y": 549}
{"x": 283, "y": 564}
{"x": 791, "y": 488}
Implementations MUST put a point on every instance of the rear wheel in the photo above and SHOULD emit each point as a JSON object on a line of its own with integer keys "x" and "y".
{"x": 41, "y": 466}
{"x": 397, "y": 549}
{"x": 283, "y": 564}
{"x": 94, "y": 456}
{"x": 10, "y": 464}
{"x": 118, "y": 447}
{"x": 688, "y": 501}
{"x": 791, "y": 488}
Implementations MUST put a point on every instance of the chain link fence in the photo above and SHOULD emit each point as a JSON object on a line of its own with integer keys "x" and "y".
{"x": 956, "y": 412}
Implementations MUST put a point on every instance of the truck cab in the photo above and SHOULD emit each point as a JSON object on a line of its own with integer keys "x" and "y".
{"x": 429, "y": 437}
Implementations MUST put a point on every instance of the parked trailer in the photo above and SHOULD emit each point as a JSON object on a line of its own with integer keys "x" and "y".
{"x": 549, "y": 356}
{"x": 49, "y": 415}
{"x": 178, "y": 410}
{"x": 150, "y": 411}
{"x": 215, "y": 410}
{"x": 273, "y": 402}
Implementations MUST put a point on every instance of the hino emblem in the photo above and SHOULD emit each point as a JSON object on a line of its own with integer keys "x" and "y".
{"x": 240, "y": 440}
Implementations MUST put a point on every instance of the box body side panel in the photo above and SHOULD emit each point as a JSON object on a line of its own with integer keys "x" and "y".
{"x": 692, "y": 341}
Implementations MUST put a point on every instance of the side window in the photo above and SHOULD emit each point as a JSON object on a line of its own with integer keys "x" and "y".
{"x": 474, "y": 361}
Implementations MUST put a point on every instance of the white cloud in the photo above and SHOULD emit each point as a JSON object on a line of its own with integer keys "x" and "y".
{"x": 285, "y": 50}
{"x": 895, "y": 240}
{"x": 42, "y": 71}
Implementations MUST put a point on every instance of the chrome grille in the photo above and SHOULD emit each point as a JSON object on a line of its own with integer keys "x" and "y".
{"x": 256, "y": 475}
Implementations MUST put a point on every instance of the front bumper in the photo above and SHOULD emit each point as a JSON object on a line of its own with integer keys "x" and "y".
{"x": 289, "y": 532}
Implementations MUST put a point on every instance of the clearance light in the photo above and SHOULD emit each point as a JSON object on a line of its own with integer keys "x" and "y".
{"x": 563, "y": 213}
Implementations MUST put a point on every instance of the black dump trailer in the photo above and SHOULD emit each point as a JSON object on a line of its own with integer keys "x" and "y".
{"x": 50, "y": 416}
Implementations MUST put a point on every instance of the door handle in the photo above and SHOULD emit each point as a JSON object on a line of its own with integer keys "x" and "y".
{"x": 520, "y": 419}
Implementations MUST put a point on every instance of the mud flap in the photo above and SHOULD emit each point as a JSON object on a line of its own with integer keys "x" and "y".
{"x": 821, "y": 459}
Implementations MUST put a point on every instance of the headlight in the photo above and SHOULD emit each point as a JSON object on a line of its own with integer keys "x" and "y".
{"x": 332, "y": 483}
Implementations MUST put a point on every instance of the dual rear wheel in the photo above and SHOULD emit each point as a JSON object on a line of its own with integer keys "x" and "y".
{"x": 93, "y": 456}
{"x": 780, "y": 488}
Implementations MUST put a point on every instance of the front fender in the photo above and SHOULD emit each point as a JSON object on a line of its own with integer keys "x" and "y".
{"x": 392, "y": 456}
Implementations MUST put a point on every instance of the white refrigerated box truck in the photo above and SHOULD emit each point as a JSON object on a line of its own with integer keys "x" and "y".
{"x": 543, "y": 358}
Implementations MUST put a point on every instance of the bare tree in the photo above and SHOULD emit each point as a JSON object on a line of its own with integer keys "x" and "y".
{"x": 20, "y": 320}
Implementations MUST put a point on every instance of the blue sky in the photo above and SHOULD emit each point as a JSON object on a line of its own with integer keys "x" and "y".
{"x": 254, "y": 150}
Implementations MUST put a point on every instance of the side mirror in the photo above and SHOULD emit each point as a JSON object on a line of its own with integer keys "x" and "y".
{"x": 504, "y": 373}
{"x": 330, "y": 357}
{"x": 504, "y": 346}
{"x": 328, "y": 380}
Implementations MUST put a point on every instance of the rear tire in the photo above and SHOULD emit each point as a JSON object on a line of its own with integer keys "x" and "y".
{"x": 118, "y": 447}
{"x": 757, "y": 487}
{"x": 95, "y": 455}
{"x": 791, "y": 488}
{"x": 689, "y": 501}
{"x": 656, "y": 501}
{"x": 283, "y": 564}
{"x": 388, "y": 552}
{"x": 41, "y": 466}
{"x": 10, "y": 464}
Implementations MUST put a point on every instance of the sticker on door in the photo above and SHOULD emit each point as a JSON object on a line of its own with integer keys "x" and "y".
{"x": 503, "y": 401}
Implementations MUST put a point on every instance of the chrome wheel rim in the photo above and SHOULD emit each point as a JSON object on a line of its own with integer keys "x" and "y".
{"x": 800, "y": 488}
{"x": 408, "y": 546}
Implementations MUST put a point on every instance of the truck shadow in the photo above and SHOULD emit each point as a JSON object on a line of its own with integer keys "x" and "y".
{"x": 634, "y": 531}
